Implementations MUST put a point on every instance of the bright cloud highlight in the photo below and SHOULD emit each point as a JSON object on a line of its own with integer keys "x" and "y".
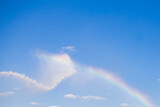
{"x": 71, "y": 96}
{"x": 34, "y": 103}
{"x": 125, "y": 104}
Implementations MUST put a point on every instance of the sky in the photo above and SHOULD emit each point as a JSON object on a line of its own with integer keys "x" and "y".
{"x": 79, "y": 53}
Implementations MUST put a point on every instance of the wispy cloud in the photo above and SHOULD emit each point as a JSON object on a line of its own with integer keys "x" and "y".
{"x": 124, "y": 104}
{"x": 70, "y": 48}
{"x": 53, "y": 106}
{"x": 72, "y": 96}
{"x": 34, "y": 103}
{"x": 7, "y": 93}
{"x": 37, "y": 104}
{"x": 92, "y": 97}
{"x": 30, "y": 82}
{"x": 55, "y": 68}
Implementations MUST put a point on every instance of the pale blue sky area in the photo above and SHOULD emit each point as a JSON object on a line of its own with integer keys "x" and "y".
{"x": 122, "y": 37}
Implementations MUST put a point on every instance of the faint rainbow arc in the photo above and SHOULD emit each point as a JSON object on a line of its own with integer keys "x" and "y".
{"x": 118, "y": 83}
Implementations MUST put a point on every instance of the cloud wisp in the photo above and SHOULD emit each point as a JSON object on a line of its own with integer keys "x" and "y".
{"x": 6, "y": 93}
{"x": 89, "y": 97}
{"x": 37, "y": 104}
{"x": 124, "y": 104}
{"x": 70, "y": 96}
{"x": 70, "y": 48}
{"x": 55, "y": 68}
{"x": 53, "y": 106}
{"x": 34, "y": 103}
{"x": 28, "y": 81}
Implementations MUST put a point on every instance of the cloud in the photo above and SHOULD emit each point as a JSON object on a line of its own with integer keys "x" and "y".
{"x": 70, "y": 48}
{"x": 37, "y": 104}
{"x": 53, "y": 106}
{"x": 30, "y": 82}
{"x": 124, "y": 104}
{"x": 7, "y": 93}
{"x": 34, "y": 103}
{"x": 72, "y": 96}
{"x": 55, "y": 68}
{"x": 92, "y": 97}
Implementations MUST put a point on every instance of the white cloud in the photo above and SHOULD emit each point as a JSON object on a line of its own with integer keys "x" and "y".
{"x": 72, "y": 96}
{"x": 34, "y": 103}
{"x": 30, "y": 82}
{"x": 55, "y": 68}
{"x": 70, "y": 48}
{"x": 53, "y": 106}
{"x": 92, "y": 97}
{"x": 124, "y": 104}
{"x": 6, "y": 93}
{"x": 37, "y": 104}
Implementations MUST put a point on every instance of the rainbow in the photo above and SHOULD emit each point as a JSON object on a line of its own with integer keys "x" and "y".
{"x": 120, "y": 84}
{"x": 65, "y": 59}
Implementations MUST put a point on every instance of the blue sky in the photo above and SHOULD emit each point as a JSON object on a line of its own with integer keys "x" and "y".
{"x": 119, "y": 37}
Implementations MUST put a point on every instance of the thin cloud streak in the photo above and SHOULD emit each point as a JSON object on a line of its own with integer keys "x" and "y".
{"x": 92, "y": 98}
{"x": 7, "y": 93}
{"x": 70, "y": 48}
{"x": 72, "y": 96}
{"x": 55, "y": 69}
{"x": 124, "y": 104}
{"x": 26, "y": 79}
{"x": 34, "y": 103}
{"x": 53, "y": 106}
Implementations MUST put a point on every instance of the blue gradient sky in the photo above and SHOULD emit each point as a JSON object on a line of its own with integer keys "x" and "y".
{"x": 120, "y": 36}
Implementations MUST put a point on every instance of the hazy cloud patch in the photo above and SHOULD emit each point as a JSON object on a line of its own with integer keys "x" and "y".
{"x": 124, "y": 104}
{"x": 7, "y": 93}
{"x": 70, "y": 48}
{"x": 53, "y": 106}
{"x": 89, "y": 97}
{"x": 71, "y": 96}
{"x": 34, "y": 103}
